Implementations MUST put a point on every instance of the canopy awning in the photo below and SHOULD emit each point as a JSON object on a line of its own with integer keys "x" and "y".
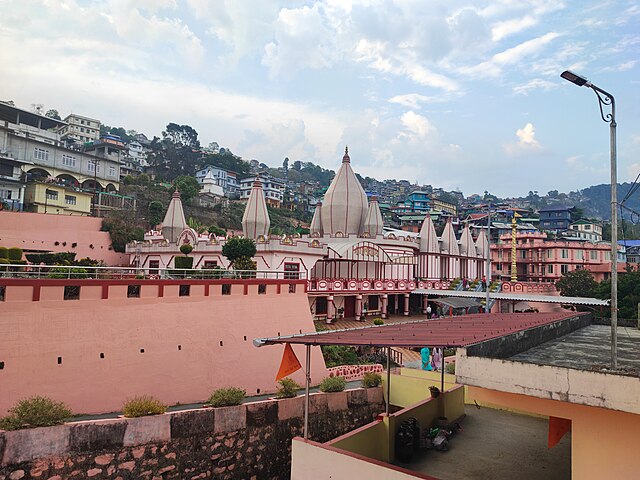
{"x": 458, "y": 302}
{"x": 442, "y": 332}
{"x": 516, "y": 297}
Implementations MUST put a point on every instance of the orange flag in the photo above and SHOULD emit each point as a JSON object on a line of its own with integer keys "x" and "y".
{"x": 557, "y": 428}
{"x": 289, "y": 363}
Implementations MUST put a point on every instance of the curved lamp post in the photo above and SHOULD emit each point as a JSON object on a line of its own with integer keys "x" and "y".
{"x": 605, "y": 99}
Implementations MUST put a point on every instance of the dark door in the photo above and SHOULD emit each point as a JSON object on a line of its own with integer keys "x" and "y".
{"x": 349, "y": 307}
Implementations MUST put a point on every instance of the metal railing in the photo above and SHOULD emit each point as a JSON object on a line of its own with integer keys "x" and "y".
{"x": 131, "y": 273}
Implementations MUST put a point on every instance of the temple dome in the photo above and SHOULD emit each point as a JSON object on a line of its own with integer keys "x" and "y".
{"x": 174, "y": 222}
{"x": 345, "y": 204}
{"x": 255, "y": 221}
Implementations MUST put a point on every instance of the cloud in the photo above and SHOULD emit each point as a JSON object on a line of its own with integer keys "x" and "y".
{"x": 526, "y": 143}
{"x": 508, "y": 27}
{"x": 511, "y": 56}
{"x": 532, "y": 85}
{"x": 417, "y": 127}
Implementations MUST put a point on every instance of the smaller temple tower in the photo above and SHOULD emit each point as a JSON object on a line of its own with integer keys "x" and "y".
{"x": 174, "y": 222}
{"x": 316, "y": 222}
{"x": 373, "y": 223}
{"x": 255, "y": 221}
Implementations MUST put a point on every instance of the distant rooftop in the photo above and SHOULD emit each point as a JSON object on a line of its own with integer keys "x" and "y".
{"x": 555, "y": 209}
{"x": 17, "y": 116}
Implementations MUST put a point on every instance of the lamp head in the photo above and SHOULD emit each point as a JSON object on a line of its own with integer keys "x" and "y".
{"x": 574, "y": 78}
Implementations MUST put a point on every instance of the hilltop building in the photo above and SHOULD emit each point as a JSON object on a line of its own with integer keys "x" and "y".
{"x": 79, "y": 129}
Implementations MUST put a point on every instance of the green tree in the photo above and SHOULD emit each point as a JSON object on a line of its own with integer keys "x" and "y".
{"x": 238, "y": 247}
{"x": 187, "y": 186}
{"x": 156, "y": 212}
{"x": 53, "y": 113}
{"x": 122, "y": 230}
{"x": 577, "y": 283}
{"x": 628, "y": 293}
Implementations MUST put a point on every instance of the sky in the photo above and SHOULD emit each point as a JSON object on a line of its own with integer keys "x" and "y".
{"x": 457, "y": 94}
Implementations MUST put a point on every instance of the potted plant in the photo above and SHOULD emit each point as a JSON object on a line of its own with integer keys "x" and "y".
{"x": 435, "y": 391}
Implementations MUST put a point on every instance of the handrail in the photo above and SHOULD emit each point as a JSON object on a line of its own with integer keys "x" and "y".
{"x": 129, "y": 273}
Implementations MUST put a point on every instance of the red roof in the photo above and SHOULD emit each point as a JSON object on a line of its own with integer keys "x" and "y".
{"x": 442, "y": 332}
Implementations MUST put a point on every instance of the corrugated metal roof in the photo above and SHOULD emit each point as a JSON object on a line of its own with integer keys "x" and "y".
{"x": 524, "y": 297}
{"x": 458, "y": 302}
{"x": 441, "y": 332}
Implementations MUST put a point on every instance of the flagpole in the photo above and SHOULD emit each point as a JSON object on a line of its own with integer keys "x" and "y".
{"x": 306, "y": 394}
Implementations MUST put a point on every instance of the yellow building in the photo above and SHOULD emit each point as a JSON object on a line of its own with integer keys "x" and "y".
{"x": 437, "y": 204}
{"x": 56, "y": 199}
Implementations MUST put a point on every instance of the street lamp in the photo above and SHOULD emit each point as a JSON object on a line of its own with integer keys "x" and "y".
{"x": 605, "y": 99}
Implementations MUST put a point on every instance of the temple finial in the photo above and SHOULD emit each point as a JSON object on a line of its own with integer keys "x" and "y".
{"x": 346, "y": 158}
{"x": 346, "y": 149}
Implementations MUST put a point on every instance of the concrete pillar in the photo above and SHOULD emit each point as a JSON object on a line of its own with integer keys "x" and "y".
{"x": 406, "y": 305}
{"x": 330, "y": 308}
{"x": 358, "y": 307}
{"x": 425, "y": 303}
{"x": 384, "y": 301}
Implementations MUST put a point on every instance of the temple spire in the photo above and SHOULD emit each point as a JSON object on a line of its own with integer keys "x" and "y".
{"x": 174, "y": 222}
{"x": 255, "y": 221}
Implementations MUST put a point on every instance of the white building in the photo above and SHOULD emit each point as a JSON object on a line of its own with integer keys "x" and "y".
{"x": 224, "y": 178}
{"x": 586, "y": 230}
{"x": 80, "y": 128}
{"x": 11, "y": 182}
{"x": 137, "y": 153}
{"x": 272, "y": 187}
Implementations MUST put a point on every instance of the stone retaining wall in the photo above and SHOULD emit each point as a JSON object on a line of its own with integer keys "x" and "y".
{"x": 242, "y": 442}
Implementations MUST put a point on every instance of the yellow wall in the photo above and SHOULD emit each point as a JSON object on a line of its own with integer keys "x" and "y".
{"x": 365, "y": 441}
{"x": 412, "y": 386}
{"x": 35, "y": 195}
{"x": 604, "y": 443}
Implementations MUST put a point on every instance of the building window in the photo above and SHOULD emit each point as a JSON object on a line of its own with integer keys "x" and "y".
{"x": 564, "y": 269}
{"x": 226, "y": 289}
{"x": 51, "y": 194}
{"x": 523, "y": 254}
{"x": 72, "y": 292}
{"x": 593, "y": 254}
{"x": 210, "y": 264}
{"x": 499, "y": 266}
{"x": 262, "y": 289}
{"x": 292, "y": 288}
{"x": 154, "y": 265}
{"x": 69, "y": 199}
{"x": 133, "y": 291}
{"x": 291, "y": 271}
{"x": 184, "y": 290}
{"x": 564, "y": 253}
{"x": 579, "y": 255}
{"x": 112, "y": 171}
{"x": 321, "y": 306}
{"x": 6, "y": 170}
{"x": 550, "y": 269}
{"x": 68, "y": 160}
{"x": 41, "y": 154}
{"x": 93, "y": 166}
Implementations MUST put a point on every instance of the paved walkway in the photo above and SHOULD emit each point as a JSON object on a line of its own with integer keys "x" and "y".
{"x": 498, "y": 445}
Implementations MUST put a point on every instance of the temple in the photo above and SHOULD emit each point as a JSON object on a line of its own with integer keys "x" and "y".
{"x": 353, "y": 267}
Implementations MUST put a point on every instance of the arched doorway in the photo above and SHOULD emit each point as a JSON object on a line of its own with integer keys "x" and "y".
{"x": 68, "y": 180}
{"x": 37, "y": 175}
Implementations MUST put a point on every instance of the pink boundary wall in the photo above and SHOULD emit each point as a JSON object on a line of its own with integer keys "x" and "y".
{"x": 39, "y": 231}
{"x": 354, "y": 372}
{"x": 178, "y": 349}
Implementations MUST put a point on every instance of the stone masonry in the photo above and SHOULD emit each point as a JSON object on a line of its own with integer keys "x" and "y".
{"x": 250, "y": 441}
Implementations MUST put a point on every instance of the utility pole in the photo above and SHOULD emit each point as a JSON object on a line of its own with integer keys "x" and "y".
{"x": 488, "y": 266}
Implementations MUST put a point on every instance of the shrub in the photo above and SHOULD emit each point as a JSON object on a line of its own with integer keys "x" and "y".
{"x": 217, "y": 231}
{"x": 371, "y": 379}
{"x": 143, "y": 406}
{"x": 61, "y": 272}
{"x": 450, "y": 368}
{"x": 60, "y": 258}
{"x": 183, "y": 262}
{"x": 14, "y": 253}
{"x": 224, "y": 397}
{"x": 288, "y": 388}
{"x": 35, "y": 412}
{"x": 3, "y": 252}
{"x": 186, "y": 248}
{"x": 4, "y": 261}
{"x": 378, "y": 321}
{"x": 238, "y": 247}
{"x": 333, "y": 384}
{"x": 335, "y": 355}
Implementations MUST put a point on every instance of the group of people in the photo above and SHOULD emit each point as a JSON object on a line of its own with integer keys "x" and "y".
{"x": 431, "y": 360}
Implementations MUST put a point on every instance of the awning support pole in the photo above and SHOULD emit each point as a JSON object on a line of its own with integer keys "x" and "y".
{"x": 306, "y": 394}
{"x": 388, "y": 379}
{"x": 442, "y": 373}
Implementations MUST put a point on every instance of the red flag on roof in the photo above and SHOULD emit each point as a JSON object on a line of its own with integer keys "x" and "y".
{"x": 289, "y": 363}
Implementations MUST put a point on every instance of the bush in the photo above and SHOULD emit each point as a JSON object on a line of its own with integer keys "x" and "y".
{"x": 35, "y": 412}
{"x": 183, "y": 262}
{"x": 450, "y": 368}
{"x": 378, "y": 321}
{"x": 143, "y": 406}
{"x": 217, "y": 231}
{"x": 238, "y": 247}
{"x": 371, "y": 379}
{"x": 224, "y": 397}
{"x": 333, "y": 384}
{"x": 3, "y": 252}
{"x": 4, "y": 261}
{"x": 186, "y": 248}
{"x": 335, "y": 355}
{"x": 14, "y": 253}
{"x": 244, "y": 263}
{"x": 60, "y": 272}
{"x": 288, "y": 388}
{"x": 60, "y": 258}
